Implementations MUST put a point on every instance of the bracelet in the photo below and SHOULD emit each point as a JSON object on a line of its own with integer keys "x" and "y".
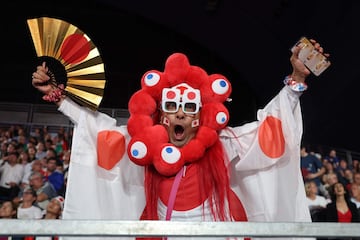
{"x": 56, "y": 94}
{"x": 294, "y": 85}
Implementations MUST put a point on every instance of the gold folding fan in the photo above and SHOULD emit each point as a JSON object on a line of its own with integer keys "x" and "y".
{"x": 76, "y": 53}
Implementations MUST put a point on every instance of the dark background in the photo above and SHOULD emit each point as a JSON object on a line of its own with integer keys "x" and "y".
{"x": 247, "y": 41}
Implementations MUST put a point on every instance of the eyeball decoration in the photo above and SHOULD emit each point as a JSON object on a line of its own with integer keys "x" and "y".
{"x": 150, "y": 142}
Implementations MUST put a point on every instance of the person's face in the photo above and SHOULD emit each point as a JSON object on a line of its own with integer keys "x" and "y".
{"x": 180, "y": 126}
{"x": 36, "y": 181}
{"x": 332, "y": 153}
{"x": 357, "y": 178}
{"x": 332, "y": 179}
{"x": 51, "y": 165}
{"x": 40, "y": 146}
{"x": 54, "y": 207}
{"x": 6, "y": 210}
{"x": 50, "y": 153}
{"x": 36, "y": 166}
{"x": 355, "y": 190}
{"x": 66, "y": 157}
{"x": 329, "y": 166}
{"x": 24, "y": 157}
{"x": 11, "y": 148}
{"x": 339, "y": 189}
{"x": 3, "y": 147}
{"x": 180, "y": 113}
{"x": 28, "y": 196}
{"x": 355, "y": 162}
{"x": 343, "y": 164}
{"x": 12, "y": 158}
{"x": 313, "y": 188}
{"x": 348, "y": 174}
{"x": 32, "y": 150}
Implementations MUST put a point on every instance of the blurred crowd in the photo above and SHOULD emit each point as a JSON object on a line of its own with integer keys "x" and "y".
{"x": 33, "y": 172}
{"x": 332, "y": 186}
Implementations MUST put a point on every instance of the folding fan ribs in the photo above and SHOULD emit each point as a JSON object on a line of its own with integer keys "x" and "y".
{"x": 81, "y": 59}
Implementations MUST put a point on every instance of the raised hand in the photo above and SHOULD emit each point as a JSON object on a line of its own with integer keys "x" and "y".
{"x": 300, "y": 71}
{"x": 43, "y": 82}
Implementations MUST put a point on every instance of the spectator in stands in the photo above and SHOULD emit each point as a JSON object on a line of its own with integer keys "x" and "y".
{"x": 341, "y": 169}
{"x": 24, "y": 159}
{"x": 66, "y": 162}
{"x": 65, "y": 166}
{"x": 32, "y": 141}
{"x": 316, "y": 202}
{"x": 331, "y": 179}
{"x": 60, "y": 144}
{"x": 48, "y": 142}
{"x": 11, "y": 173}
{"x": 357, "y": 178}
{"x": 348, "y": 178}
{"x": 329, "y": 168}
{"x": 40, "y": 150}
{"x": 54, "y": 208}
{"x": 12, "y": 147}
{"x": 8, "y": 135}
{"x": 213, "y": 188}
{"x": 32, "y": 153}
{"x": 355, "y": 195}
{"x": 45, "y": 190}
{"x": 36, "y": 166}
{"x": 55, "y": 177}
{"x": 21, "y": 139}
{"x": 341, "y": 208}
{"x": 355, "y": 165}
{"x": 8, "y": 210}
{"x": 333, "y": 158}
{"x": 50, "y": 153}
{"x": 27, "y": 208}
{"x": 26, "y": 162}
{"x": 53, "y": 211}
{"x": 311, "y": 167}
{"x": 37, "y": 133}
{"x": 3, "y": 148}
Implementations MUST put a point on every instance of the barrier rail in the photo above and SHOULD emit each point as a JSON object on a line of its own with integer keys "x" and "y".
{"x": 112, "y": 228}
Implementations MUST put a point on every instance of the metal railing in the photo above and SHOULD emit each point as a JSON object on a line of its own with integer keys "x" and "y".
{"x": 115, "y": 228}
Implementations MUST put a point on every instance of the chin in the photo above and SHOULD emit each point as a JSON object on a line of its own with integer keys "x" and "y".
{"x": 179, "y": 144}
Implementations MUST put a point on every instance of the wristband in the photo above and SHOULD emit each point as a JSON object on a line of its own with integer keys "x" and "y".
{"x": 56, "y": 94}
{"x": 295, "y": 86}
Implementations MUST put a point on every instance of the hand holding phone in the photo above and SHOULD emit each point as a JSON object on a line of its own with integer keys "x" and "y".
{"x": 315, "y": 61}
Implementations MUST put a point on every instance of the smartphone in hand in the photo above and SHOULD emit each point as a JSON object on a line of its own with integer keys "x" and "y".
{"x": 315, "y": 61}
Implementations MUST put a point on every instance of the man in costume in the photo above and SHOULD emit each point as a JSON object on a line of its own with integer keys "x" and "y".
{"x": 178, "y": 160}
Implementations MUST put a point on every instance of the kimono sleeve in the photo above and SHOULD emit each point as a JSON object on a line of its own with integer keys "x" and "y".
{"x": 265, "y": 161}
{"x": 92, "y": 191}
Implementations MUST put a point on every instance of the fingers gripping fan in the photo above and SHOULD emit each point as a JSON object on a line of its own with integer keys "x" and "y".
{"x": 72, "y": 59}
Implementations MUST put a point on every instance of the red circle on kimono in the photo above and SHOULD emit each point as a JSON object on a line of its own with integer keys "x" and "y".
{"x": 271, "y": 137}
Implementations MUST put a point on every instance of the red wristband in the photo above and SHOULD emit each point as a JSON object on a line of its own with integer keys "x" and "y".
{"x": 56, "y": 94}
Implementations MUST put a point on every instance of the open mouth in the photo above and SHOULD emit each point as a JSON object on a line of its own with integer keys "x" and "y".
{"x": 179, "y": 132}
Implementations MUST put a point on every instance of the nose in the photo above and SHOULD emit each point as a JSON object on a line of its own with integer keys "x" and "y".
{"x": 180, "y": 114}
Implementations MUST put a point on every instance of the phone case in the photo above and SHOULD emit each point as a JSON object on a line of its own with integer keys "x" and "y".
{"x": 315, "y": 61}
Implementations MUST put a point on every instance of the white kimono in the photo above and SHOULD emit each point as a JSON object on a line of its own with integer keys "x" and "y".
{"x": 268, "y": 183}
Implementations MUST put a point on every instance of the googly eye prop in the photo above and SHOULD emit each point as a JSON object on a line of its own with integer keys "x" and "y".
{"x": 181, "y": 95}
{"x": 149, "y": 144}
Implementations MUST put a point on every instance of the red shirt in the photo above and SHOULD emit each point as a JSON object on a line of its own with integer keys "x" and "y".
{"x": 344, "y": 217}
